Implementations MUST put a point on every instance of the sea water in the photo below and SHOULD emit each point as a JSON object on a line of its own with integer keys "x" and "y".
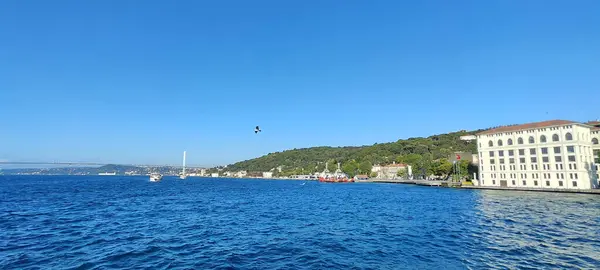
{"x": 104, "y": 222}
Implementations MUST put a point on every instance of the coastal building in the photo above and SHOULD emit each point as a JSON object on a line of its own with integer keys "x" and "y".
{"x": 596, "y": 145}
{"x": 388, "y": 171}
{"x": 214, "y": 175}
{"x": 241, "y": 174}
{"x": 267, "y": 174}
{"x": 556, "y": 154}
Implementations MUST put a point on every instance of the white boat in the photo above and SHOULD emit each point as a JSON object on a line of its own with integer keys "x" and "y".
{"x": 183, "y": 175}
{"x": 155, "y": 177}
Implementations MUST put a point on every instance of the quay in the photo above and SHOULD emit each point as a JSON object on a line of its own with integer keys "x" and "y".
{"x": 436, "y": 183}
{"x": 555, "y": 190}
{"x": 430, "y": 183}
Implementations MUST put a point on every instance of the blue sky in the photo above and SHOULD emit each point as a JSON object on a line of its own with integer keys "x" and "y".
{"x": 128, "y": 81}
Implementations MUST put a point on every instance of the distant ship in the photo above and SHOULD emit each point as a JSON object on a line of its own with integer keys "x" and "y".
{"x": 107, "y": 173}
{"x": 155, "y": 177}
{"x": 183, "y": 175}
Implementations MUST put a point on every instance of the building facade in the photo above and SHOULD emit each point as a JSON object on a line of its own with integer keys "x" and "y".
{"x": 555, "y": 154}
{"x": 389, "y": 171}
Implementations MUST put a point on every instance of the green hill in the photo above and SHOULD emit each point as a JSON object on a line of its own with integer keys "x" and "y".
{"x": 424, "y": 154}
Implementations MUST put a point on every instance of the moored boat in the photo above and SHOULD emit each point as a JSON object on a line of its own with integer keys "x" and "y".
{"x": 155, "y": 177}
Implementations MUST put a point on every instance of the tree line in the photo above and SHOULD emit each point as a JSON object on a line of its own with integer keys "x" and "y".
{"x": 427, "y": 156}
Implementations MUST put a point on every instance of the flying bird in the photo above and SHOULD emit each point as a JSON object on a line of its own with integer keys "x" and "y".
{"x": 257, "y": 129}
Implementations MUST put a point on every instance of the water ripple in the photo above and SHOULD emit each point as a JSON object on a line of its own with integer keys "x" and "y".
{"x": 129, "y": 223}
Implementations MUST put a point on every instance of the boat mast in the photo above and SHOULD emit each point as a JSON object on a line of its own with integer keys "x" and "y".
{"x": 183, "y": 173}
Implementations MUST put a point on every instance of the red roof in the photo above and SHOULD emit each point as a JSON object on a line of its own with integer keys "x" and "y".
{"x": 527, "y": 126}
{"x": 593, "y": 123}
{"x": 396, "y": 165}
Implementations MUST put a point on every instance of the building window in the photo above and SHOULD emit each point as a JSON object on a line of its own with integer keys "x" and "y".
{"x": 501, "y": 153}
{"x": 570, "y": 176}
{"x": 532, "y": 151}
{"x": 560, "y": 183}
{"x": 499, "y": 142}
{"x": 571, "y": 158}
{"x": 524, "y": 182}
{"x": 574, "y": 183}
{"x": 510, "y": 142}
{"x": 531, "y": 139}
{"x": 492, "y": 161}
{"x": 514, "y": 183}
{"x": 511, "y": 160}
{"x": 576, "y": 175}
{"x": 570, "y": 149}
{"x": 533, "y": 159}
{"x": 522, "y": 160}
{"x": 547, "y": 183}
{"x": 557, "y": 150}
{"x": 555, "y": 138}
{"x": 511, "y": 153}
{"x": 569, "y": 136}
{"x": 535, "y": 183}
{"x": 493, "y": 182}
{"x": 543, "y": 138}
{"x": 491, "y": 144}
{"x": 557, "y": 158}
{"x": 520, "y": 140}
{"x": 594, "y": 141}
{"x": 574, "y": 166}
{"x": 521, "y": 152}
{"x": 545, "y": 159}
{"x": 544, "y": 150}
{"x": 491, "y": 153}
{"x": 556, "y": 167}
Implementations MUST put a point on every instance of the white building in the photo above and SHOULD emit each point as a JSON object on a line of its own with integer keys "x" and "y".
{"x": 389, "y": 171}
{"x": 267, "y": 174}
{"x": 555, "y": 154}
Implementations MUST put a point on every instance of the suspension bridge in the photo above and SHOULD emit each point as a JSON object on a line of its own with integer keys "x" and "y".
{"x": 94, "y": 164}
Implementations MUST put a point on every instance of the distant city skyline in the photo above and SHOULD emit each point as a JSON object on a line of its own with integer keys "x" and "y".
{"x": 112, "y": 82}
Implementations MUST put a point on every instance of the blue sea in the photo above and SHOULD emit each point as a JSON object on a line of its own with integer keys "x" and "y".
{"x": 112, "y": 222}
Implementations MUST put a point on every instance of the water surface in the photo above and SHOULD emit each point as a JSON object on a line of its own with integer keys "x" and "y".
{"x": 81, "y": 222}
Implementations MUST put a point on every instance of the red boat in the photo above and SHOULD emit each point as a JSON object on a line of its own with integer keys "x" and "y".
{"x": 337, "y": 177}
{"x": 334, "y": 179}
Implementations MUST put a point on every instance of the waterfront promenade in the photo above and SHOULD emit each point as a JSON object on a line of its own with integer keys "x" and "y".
{"x": 435, "y": 183}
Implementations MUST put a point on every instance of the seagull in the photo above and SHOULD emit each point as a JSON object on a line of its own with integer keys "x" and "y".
{"x": 257, "y": 129}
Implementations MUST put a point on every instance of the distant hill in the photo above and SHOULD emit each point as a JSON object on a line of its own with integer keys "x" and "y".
{"x": 421, "y": 153}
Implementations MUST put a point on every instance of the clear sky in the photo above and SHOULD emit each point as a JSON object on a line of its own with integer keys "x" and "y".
{"x": 128, "y": 81}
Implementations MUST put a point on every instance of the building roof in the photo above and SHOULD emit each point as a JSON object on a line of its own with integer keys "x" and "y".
{"x": 396, "y": 165}
{"x": 527, "y": 126}
{"x": 593, "y": 123}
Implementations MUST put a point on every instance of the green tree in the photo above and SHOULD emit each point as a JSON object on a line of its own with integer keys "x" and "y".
{"x": 402, "y": 173}
{"x": 350, "y": 168}
{"x": 442, "y": 167}
{"x": 365, "y": 167}
{"x": 373, "y": 174}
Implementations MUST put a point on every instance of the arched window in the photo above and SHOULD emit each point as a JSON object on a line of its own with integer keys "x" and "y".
{"x": 543, "y": 138}
{"x": 569, "y": 137}
{"x": 509, "y": 142}
{"x": 531, "y": 139}
{"x": 499, "y": 142}
{"x": 594, "y": 141}
{"x": 555, "y": 138}
{"x": 520, "y": 140}
{"x": 491, "y": 143}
